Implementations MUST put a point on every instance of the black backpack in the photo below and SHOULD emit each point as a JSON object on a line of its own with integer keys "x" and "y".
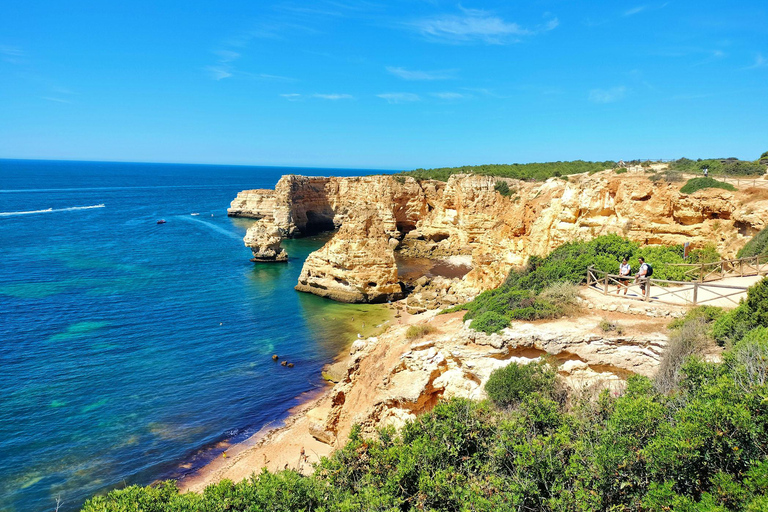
{"x": 649, "y": 272}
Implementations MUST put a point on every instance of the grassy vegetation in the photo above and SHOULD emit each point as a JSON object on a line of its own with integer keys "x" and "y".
{"x": 695, "y": 184}
{"x": 417, "y": 331}
{"x": 700, "y": 446}
{"x": 533, "y": 171}
{"x": 724, "y": 166}
{"x": 756, "y": 247}
{"x": 545, "y": 287}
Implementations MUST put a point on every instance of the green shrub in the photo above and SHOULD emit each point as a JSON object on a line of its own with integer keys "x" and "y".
{"x": 621, "y": 170}
{"x": 695, "y": 184}
{"x": 502, "y": 188}
{"x": 751, "y": 313}
{"x": 490, "y": 322}
{"x": 509, "y": 385}
{"x": 757, "y": 246}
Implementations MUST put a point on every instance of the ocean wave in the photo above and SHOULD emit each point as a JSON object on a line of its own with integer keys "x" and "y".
{"x": 51, "y": 210}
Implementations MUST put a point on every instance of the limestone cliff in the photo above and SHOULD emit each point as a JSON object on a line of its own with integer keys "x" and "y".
{"x": 467, "y": 216}
{"x": 357, "y": 265}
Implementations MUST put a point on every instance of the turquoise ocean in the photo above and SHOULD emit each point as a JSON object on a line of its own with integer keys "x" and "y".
{"x": 129, "y": 348}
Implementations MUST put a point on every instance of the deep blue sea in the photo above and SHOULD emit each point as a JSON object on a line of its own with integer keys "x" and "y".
{"x": 128, "y": 347}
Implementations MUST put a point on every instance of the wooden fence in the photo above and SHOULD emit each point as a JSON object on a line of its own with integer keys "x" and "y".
{"x": 742, "y": 267}
{"x": 693, "y": 293}
{"x": 744, "y": 181}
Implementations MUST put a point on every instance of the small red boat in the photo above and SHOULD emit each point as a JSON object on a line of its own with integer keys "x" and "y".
{"x": 161, "y": 221}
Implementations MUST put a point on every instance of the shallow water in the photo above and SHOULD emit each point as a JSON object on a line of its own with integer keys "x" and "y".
{"x": 127, "y": 346}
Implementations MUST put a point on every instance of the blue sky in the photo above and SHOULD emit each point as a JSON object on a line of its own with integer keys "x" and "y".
{"x": 398, "y": 84}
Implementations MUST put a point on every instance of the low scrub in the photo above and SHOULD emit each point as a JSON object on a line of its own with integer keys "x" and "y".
{"x": 757, "y": 246}
{"x": 609, "y": 326}
{"x": 696, "y": 184}
{"x": 419, "y": 330}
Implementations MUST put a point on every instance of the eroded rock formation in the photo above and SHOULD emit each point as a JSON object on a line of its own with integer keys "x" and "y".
{"x": 264, "y": 239}
{"x": 357, "y": 265}
{"x": 390, "y": 380}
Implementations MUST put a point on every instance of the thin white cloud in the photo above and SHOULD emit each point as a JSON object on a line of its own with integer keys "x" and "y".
{"x": 399, "y": 97}
{"x": 291, "y": 96}
{"x": 760, "y": 62}
{"x": 11, "y": 54}
{"x": 219, "y": 72}
{"x": 607, "y": 95}
{"x": 226, "y": 55}
{"x": 476, "y": 25}
{"x": 57, "y": 100}
{"x": 449, "y": 95}
{"x": 635, "y": 10}
{"x": 407, "y": 74}
{"x": 334, "y": 97}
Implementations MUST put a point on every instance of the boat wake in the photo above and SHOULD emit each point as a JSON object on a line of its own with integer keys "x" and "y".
{"x": 209, "y": 225}
{"x": 51, "y": 210}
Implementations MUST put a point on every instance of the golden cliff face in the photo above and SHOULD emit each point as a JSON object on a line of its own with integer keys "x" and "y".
{"x": 357, "y": 265}
{"x": 467, "y": 216}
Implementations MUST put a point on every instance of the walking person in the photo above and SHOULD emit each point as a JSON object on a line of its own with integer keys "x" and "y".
{"x": 624, "y": 271}
{"x": 646, "y": 270}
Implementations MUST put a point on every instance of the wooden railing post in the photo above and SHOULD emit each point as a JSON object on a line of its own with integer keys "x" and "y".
{"x": 722, "y": 269}
{"x": 605, "y": 290}
{"x": 701, "y": 273}
{"x": 647, "y": 289}
{"x": 695, "y": 293}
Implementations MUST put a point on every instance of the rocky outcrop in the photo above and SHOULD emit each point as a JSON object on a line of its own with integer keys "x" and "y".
{"x": 357, "y": 265}
{"x": 467, "y": 216}
{"x": 264, "y": 239}
{"x": 390, "y": 380}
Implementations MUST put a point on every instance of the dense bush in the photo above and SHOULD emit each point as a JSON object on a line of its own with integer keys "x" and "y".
{"x": 510, "y": 384}
{"x": 694, "y": 184}
{"x": 751, "y": 313}
{"x": 757, "y": 246}
{"x": 533, "y": 171}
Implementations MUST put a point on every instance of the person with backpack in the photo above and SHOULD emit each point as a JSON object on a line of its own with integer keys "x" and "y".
{"x": 646, "y": 271}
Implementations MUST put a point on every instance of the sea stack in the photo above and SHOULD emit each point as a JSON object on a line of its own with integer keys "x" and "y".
{"x": 356, "y": 265}
{"x": 263, "y": 238}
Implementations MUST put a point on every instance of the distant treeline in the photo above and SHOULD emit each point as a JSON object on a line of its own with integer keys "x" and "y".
{"x": 724, "y": 166}
{"x": 545, "y": 170}
{"x": 534, "y": 171}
